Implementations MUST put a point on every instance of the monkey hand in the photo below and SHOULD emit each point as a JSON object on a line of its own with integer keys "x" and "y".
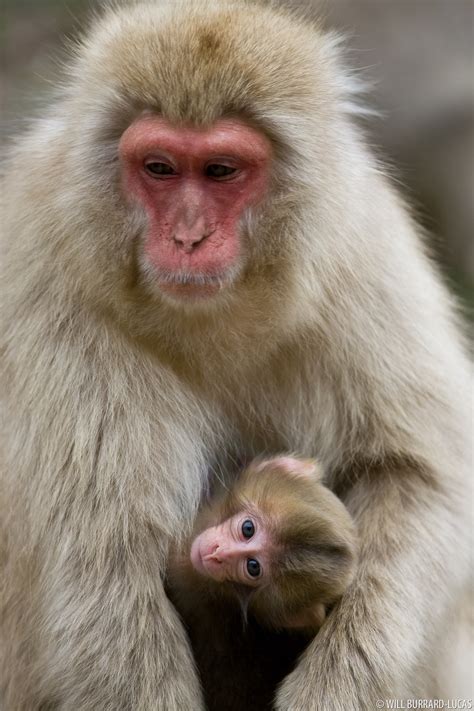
{"x": 336, "y": 672}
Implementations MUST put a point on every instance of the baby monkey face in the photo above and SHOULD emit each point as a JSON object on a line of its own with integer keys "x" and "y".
{"x": 237, "y": 550}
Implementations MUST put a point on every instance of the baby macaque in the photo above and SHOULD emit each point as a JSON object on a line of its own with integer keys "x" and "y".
{"x": 262, "y": 565}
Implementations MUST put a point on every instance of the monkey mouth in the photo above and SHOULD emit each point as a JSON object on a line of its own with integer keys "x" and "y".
{"x": 196, "y": 558}
{"x": 188, "y": 285}
{"x": 204, "y": 562}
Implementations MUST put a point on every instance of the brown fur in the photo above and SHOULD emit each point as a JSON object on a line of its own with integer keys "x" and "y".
{"x": 313, "y": 536}
{"x": 242, "y": 638}
{"x": 338, "y": 341}
{"x": 311, "y": 540}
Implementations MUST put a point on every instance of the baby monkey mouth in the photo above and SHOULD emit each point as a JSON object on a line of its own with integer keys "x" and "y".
{"x": 197, "y": 558}
{"x": 206, "y": 561}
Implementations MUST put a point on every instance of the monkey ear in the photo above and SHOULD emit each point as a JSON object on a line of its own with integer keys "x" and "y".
{"x": 304, "y": 468}
{"x": 310, "y": 619}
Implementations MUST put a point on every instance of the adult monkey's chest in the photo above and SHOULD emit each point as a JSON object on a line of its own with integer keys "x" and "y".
{"x": 283, "y": 408}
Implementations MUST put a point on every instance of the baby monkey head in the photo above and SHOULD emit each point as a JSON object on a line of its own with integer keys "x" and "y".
{"x": 280, "y": 542}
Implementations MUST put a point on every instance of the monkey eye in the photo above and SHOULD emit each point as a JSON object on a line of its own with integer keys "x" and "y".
{"x": 219, "y": 172}
{"x": 253, "y": 567}
{"x": 157, "y": 169}
{"x": 248, "y": 528}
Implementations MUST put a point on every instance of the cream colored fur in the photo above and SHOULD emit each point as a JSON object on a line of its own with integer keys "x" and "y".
{"x": 338, "y": 340}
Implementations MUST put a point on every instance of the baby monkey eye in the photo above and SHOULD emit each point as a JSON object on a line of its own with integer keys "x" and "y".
{"x": 248, "y": 529}
{"x": 218, "y": 171}
{"x": 253, "y": 567}
{"x": 159, "y": 169}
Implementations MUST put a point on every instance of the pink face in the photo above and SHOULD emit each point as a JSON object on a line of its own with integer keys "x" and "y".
{"x": 238, "y": 550}
{"x": 195, "y": 186}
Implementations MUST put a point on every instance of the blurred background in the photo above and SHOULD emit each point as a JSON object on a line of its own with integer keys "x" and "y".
{"x": 418, "y": 53}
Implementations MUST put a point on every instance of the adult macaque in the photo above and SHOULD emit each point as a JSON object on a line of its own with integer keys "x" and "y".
{"x": 202, "y": 262}
{"x": 270, "y": 554}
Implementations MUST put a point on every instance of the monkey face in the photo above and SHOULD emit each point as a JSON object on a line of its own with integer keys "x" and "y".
{"x": 195, "y": 186}
{"x": 237, "y": 550}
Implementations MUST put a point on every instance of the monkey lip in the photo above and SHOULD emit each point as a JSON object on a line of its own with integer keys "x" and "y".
{"x": 194, "y": 286}
{"x": 201, "y": 561}
{"x": 196, "y": 558}
{"x": 189, "y": 291}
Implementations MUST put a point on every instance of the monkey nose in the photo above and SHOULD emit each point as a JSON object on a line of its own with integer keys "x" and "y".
{"x": 187, "y": 242}
{"x": 188, "y": 236}
{"x": 222, "y": 555}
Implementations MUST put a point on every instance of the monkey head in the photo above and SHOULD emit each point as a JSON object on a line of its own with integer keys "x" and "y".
{"x": 189, "y": 172}
{"x": 280, "y": 542}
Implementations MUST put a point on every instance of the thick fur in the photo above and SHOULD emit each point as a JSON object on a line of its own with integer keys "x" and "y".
{"x": 338, "y": 341}
{"x": 244, "y": 643}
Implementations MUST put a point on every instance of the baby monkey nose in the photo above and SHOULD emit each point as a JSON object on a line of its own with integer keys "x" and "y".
{"x": 222, "y": 554}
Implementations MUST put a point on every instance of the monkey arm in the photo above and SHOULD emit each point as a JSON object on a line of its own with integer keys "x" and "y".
{"x": 113, "y": 644}
{"x": 384, "y": 626}
{"x": 110, "y": 638}
{"x": 89, "y": 528}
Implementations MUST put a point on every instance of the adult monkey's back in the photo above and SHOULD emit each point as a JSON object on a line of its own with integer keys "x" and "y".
{"x": 202, "y": 259}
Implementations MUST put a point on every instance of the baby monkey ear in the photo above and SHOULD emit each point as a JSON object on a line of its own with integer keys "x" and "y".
{"x": 304, "y": 468}
{"x": 309, "y": 619}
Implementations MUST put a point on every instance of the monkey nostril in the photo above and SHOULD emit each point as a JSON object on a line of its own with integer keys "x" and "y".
{"x": 215, "y": 558}
{"x": 188, "y": 242}
{"x": 188, "y": 239}
{"x": 214, "y": 554}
